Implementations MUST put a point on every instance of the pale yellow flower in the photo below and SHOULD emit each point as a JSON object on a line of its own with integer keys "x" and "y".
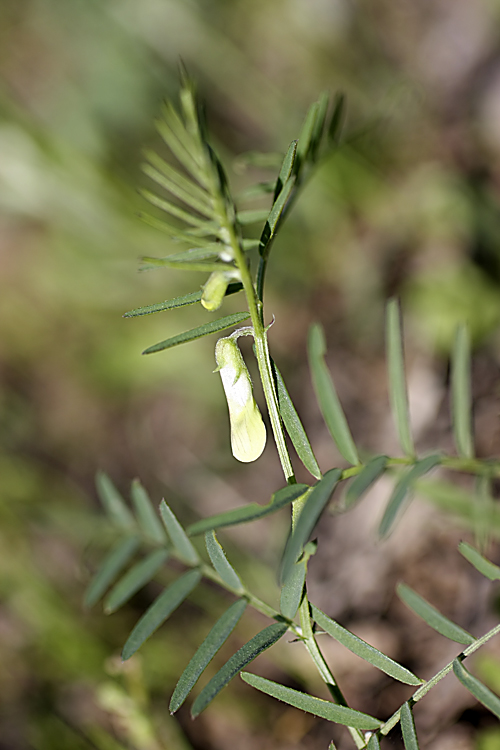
{"x": 248, "y": 432}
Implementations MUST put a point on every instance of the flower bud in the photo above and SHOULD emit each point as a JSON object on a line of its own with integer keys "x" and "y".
{"x": 248, "y": 432}
{"x": 214, "y": 290}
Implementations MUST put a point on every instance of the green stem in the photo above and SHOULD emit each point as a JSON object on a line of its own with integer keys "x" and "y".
{"x": 390, "y": 723}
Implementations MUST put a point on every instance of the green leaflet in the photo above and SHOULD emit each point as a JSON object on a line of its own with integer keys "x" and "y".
{"x": 364, "y": 650}
{"x": 294, "y": 427}
{"x": 250, "y": 512}
{"x": 408, "y": 727}
{"x": 401, "y": 490}
{"x": 292, "y": 590}
{"x": 319, "y": 125}
{"x": 160, "y": 610}
{"x": 286, "y": 169}
{"x": 326, "y": 710}
{"x": 134, "y": 579}
{"x": 363, "y": 481}
{"x": 252, "y": 216}
{"x": 113, "y": 502}
{"x": 113, "y": 563}
{"x": 196, "y": 333}
{"x": 169, "y": 178}
{"x": 432, "y": 617}
{"x": 461, "y": 393}
{"x": 184, "y": 265}
{"x": 397, "y": 380}
{"x": 305, "y": 142}
{"x": 337, "y": 119}
{"x": 206, "y": 652}
{"x": 178, "y": 536}
{"x": 221, "y": 563}
{"x": 484, "y": 566}
{"x": 326, "y": 395}
{"x": 373, "y": 743}
{"x": 311, "y": 511}
{"x": 187, "y": 299}
{"x": 483, "y": 694}
{"x": 202, "y": 225}
{"x": 146, "y": 514}
{"x": 275, "y": 214}
{"x": 240, "y": 659}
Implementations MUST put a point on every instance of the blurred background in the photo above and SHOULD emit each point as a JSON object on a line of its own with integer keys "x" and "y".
{"x": 408, "y": 206}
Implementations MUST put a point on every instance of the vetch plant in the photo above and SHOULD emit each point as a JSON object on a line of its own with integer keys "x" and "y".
{"x": 203, "y": 216}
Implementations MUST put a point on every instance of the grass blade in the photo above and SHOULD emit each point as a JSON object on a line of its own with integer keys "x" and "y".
{"x": 408, "y": 728}
{"x": 294, "y": 427}
{"x": 113, "y": 503}
{"x": 326, "y": 395}
{"x": 146, "y": 515}
{"x": 160, "y": 610}
{"x": 326, "y": 710}
{"x": 206, "y": 652}
{"x": 240, "y": 659}
{"x": 250, "y": 512}
{"x": 309, "y": 515}
{"x": 292, "y": 590}
{"x": 461, "y": 394}
{"x": 364, "y": 480}
{"x": 134, "y": 580}
{"x": 221, "y": 563}
{"x": 397, "y": 379}
{"x": 484, "y": 566}
{"x": 113, "y": 564}
{"x": 483, "y": 694}
{"x": 401, "y": 491}
{"x": 196, "y": 333}
{"x": 364, "y": 650}
{"x": 432, "y": 617}
{"x": 178, "y": 536}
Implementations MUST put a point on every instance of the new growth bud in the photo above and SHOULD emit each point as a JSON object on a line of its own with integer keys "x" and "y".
{"x": 214, "y": 290}
{"x": 248, "y": 432}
